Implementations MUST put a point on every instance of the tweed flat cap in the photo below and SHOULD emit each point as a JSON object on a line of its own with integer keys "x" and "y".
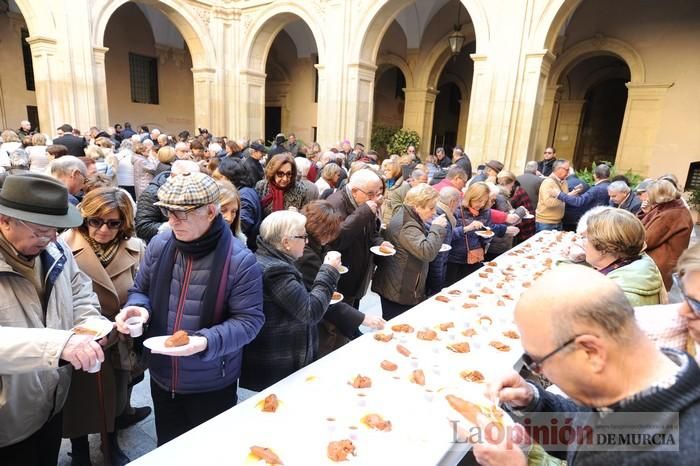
{"x": 187, "y": 191}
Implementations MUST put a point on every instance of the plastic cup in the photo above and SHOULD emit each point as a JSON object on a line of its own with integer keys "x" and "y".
{"x": 135, "y": 326}
{"x": 333, "y": 254}
{"x": 95, "y": 368}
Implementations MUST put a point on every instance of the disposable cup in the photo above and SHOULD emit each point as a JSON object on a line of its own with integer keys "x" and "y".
{"x": 135, "y": 326}
{"x": 95, "y": 368}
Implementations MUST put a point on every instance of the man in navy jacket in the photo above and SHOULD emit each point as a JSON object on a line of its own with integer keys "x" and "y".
{"x": 596, "y": 196}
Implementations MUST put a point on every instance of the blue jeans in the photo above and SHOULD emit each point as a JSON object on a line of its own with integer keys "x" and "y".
{"x": 547, "y": 226}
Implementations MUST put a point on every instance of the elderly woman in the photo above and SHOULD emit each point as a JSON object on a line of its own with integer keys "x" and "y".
{"x": 289, "y": 339}
{"x": 303, "y": 166}
{"x": 166, "y": 157}
{"x": 10, "y": 142}
{"x": 396, "y": 188}
{"x": 400, "y": 279}
{"x": 518, "y": 198}
{"x": 280, "y": 189}
{"x": 38, "y": 158}
{"x": 328, "y": 182}
{"x": 614, "y": 245}
{"x": 250, "y": 211}
{"x": 230, "y": 206}
{"x": 105, "y": 250}
{"x": 468, "y": 248}
{"x": 144, "y": 167}
{"x": 341, "y": 321}
{"x": 668, "y": 226}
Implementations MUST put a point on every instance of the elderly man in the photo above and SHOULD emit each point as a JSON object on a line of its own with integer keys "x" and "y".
{"x": 253, "y": 163}
{"x": 461, "y": 160}
{"x": 456, "y": 178}
{"x": 182, "y": 151}
{"x": 72, "y": 172}
{"x": 418, "y": 176}
{"x": 44, "y": 295}
{"x": 595, "y": 352}
{"x": 545, "y": 167}
{"x": 595, "y": 196}
{"x": 200, "y": 279}
{"x": 530, "y": 182}
{"x": 622, "y": 197}
{"x": 358, "y": 204}
{"x": 292, "y": 145}
{"x": 447, "y": 204}
{"x": 25, "y": 129}
{"x": 550, "y": 210}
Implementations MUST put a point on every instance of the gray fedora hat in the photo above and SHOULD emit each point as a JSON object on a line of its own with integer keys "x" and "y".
{"x": 38, "y": 199}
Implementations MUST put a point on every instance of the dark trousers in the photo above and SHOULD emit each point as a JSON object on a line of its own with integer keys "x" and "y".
{"x": 456, "y": 272}
{"x": 390, "y": 309}
{"x": 176, "y": 415}
{"x": 40, "y": 449}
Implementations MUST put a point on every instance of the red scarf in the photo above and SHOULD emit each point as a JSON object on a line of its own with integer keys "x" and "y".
{"x": 275, "y": 195}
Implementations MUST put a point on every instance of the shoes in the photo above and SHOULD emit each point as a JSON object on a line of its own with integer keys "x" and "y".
{"x": 127, "y": 420}
{"x": 80, "y": 452}
{"x": 117, "y": 457}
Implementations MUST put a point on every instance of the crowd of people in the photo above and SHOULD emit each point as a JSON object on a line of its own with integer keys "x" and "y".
{"x": 262, "y": 255}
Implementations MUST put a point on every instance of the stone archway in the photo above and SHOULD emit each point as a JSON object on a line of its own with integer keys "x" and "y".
{"x": 263, "y": 32}
{"x": 201, "y": 47}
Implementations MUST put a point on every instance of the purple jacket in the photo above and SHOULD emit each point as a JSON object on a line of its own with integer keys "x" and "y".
{"x": 220, "y": 364}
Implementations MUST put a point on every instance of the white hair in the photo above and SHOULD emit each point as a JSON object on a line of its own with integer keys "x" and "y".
{"x": 279, "y": 225}
{"x": 582, "y": 226}
{"x": 215, "y": 146}
{"x": 64, "y": 166}
{"x": 362, "y": 178}
{"x": 619, "y": 187}
{"x": 148, "y": 143}
{"x": 303, "y": 165}
{"x": 449, "y": 194}
{"x": 327, "y": 157}
{"x": 181, "y": 146}
{"x": 531, "y": 167}
{"x": 180, "y": 167}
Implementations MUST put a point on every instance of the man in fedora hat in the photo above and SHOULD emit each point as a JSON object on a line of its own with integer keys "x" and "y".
{"x": 44, "y": 295}
{"x": 197, "y": 278}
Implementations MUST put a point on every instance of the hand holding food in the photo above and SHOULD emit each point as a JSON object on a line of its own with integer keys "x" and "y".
{"x": 82, "y": 352}
{"x": 387, "y": 248}
{"x": 510, "y": 388}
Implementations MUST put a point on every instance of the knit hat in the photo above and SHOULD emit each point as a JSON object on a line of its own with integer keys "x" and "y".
{"x": 187, "y": 191}
{"x": 495, "y": 165}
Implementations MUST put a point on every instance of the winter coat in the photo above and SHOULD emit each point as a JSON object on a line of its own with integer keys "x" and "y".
{"x": 111, "y": 285}
{"x": 641, "y": 282}
{"x": 289, "y": 339}
{"x": 218, "y": 366}
{"x": 520, "y": 198}
{"x": 294, "y": 197}
{"x": 595, "y": 196}
{"x": 393, "y": 199}
{"x": 550, "y": 210}
{"x": 531, "y": 184}
{"x": 255, "y": 170}
{"x": 401, "y": 278}
{"x": 501, "y": 244}
{"x": 144, "y": 170}
{"x": 632, "y": 203}
{"x": 32, "y": 385}
{"x": 458, "y": 253}
{"x": 668, "y": 228}
{"x": 465, "y": 164}
{"x": 251, "y": 215}
{"x": 148, "y": 216}
{"x": 438, "y": 267}
{"x": 341, "y": 321}
{"x": 358, "y": 232}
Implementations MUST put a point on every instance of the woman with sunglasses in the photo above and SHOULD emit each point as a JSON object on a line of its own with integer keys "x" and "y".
{"x": 280, "y": 189}
{"x": 288, "y": 340}
{"x": 107, "y": 251}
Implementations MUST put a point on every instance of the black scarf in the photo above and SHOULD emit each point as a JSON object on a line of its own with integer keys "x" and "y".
{"x": 217, "y": 238}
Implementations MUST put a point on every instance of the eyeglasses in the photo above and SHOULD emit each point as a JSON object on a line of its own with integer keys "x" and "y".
{"x": 97, "y": 223}
{"x": 370, "y": 194}
{"x": 283, "y": 175}
{"x": 304, "y": 237}
{"x": 694, "y": 304}
{"x": 535, "y": 364}
{"x": 178, "y": 214}
{"x": 548, "y": 152}
{"x": 45, "y": 233}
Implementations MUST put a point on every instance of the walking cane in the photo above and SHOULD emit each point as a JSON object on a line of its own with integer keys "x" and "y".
{"x": 103, "y": 421}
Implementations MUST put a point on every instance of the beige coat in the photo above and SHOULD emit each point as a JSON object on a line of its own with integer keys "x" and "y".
{"x": 550, "y": 209}
{"x": 32, "y": 386}
{"x": 111, "y": 284}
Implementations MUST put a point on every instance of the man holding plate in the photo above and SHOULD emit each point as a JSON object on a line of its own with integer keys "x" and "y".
{"x": 44, "y": 296}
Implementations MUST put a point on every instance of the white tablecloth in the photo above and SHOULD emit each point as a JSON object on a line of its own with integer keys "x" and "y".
{"x": 319, "y": 405}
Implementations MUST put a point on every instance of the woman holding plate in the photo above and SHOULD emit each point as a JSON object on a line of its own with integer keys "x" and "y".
{"x": 400, "y": 278}
{"x": 106, "y": 250}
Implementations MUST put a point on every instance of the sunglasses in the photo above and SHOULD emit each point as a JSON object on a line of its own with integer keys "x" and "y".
{"x": 694, "y": 304}
{"x": 535, "y": 364}
{"x": 97, "y": 223}
{"x": 283, "y": 174}
{"x": 178, "y": 214}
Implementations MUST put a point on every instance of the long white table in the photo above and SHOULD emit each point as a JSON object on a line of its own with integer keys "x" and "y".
{"x": 318, "y": 405}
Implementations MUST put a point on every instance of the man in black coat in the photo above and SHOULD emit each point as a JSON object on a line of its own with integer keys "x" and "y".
{"x": 76, "y": 145}
{"x": 544, "y": 166}
{"x": 252, "y": 163}
{"x": 461, "y": 160}
{"x": 357, "y": 204}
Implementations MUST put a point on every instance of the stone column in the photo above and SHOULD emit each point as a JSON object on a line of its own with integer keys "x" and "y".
{"x": 463, "y": 121}
{"x": 546, "y": 123}
{"x": 204, "y": 93}
{"x": 101, "y": 102}
{"x": 419, "y": 113}
{"x": 50, "y": 95}
{"x": 252, "y": 94}
{"x": 224, "y": 28}
{"x": 357, "y": 124}
{"x": 568, "y": 128}
{"x": 530, "y": 97}
{"x": 639, "y": 126}
{"x": 480, "y": 108}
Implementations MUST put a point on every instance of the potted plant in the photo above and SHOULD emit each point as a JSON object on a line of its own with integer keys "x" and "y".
{"x": 694, "y": 202}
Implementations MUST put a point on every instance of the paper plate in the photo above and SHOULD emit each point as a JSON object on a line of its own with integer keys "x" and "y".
{"x": 99, "y": 328}
{"x": 158, "y": 344}
{"x": 528, "y": 217}
{"x": 485, "y": 233}
{"x": 333, "y": 301}
{"x": 375, "y": 250}
{"x": 343, "y": 269}
{"x": 445, "y": 247}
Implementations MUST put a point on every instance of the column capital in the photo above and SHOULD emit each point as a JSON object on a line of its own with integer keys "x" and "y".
{"x": 98, "y": 54}
{"x": 227, "y": 13}
{"x": 648, "y": 89}
{"x": 478, "y": 57}
{"x": 204, "y": 74}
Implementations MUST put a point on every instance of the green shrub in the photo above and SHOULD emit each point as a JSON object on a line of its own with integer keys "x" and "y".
{"x": 586, "y": 175}
{"x": 401, "y": 140}
{"x": 381, "y": 138}
{"x": 694, "y": 199}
